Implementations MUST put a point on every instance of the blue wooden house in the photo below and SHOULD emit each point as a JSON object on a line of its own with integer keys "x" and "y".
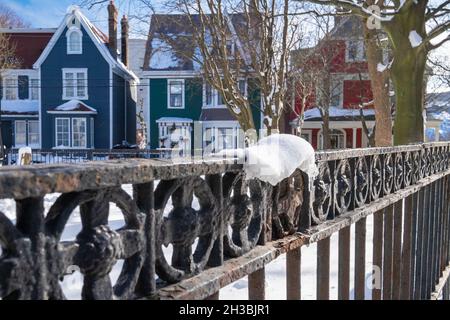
{"x": 81, "y": 94}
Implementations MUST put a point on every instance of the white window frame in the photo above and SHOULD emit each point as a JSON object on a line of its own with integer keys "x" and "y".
{"x": 15, "y": 133}
{"x": 34, "y": 87}
{"x": 169, "y": 81}
{"x": 72, "y": 136}
{"x": 36, "y": 133}
{"x": 56, "y": 132}
{"x": 320, "y": 142}
{"x": 68, "y": 34}
{"x": 14, "y": 89}
{"x": 307, "y": 133}
{"x": 215, "y": 96}
{"x": 360, "y": 57}
{"x": 74, "y": 72}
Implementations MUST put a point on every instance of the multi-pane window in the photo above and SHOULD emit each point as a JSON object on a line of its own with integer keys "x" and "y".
{"x": 212, "y": 98}
{"x": 337, "y": 139}
{"x": 74, "y": 42}
{"x": 79, "y": 133}
{"x": 63, "y": 132}
{"x": 176, "y": 94}
{"x": 11, "y": 86}
{"x": 355, "y": 51}
{"x": 34, "y": 89}
{"x": 75, "y": 84}
{"x": 33, "y": 133}
{"x": 226, "y": 139}
{"x": 21, "y": 133}
{"x": 208, "y": 95}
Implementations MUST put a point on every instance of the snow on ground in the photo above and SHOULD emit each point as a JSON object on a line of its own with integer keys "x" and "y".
{"x": 275, "y": 271}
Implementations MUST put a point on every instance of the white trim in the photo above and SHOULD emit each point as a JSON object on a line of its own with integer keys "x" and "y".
{"x": 85, "y": 133}
{"x": 15, "y": 133}
{"x": 169, "y": 74}
{"x": 69, "y": 32}
{"x": 102, "y": 48}
{"x": 183, "y": 102}
{"x": 35, "y": 146}
{"x": 20, "y": 116}
{"x": 73, "y": 112}
{"x": 74, "y": 71}
{"x": 56, "y": 132}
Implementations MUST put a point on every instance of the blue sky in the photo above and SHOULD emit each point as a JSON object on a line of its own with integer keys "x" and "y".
{"x": 49, "y": 13}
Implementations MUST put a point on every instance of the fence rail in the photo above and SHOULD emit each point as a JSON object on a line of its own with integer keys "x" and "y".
{"x": 239, "y": 227}
{"x": 58, "y": 156}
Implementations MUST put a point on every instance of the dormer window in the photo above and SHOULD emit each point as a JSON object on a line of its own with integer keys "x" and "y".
{"x": 74, "y": 41}
{"x": 355, "y": 51}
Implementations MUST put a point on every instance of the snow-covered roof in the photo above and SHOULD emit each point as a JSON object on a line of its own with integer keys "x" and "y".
{"x": 339, "y": 114}
{"x": 20, "y": 107}
{"x": 174, "y": 120}
{"x": 74, "y": 106}
{"x": 170, "y": 45}
{"x": 99, "y": 38}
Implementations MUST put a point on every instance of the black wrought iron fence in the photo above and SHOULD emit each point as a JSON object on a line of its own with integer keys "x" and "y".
{"x": 239, "y": 227}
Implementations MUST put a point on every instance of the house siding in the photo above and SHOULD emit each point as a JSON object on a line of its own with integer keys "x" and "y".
{"x": 193, "y": 90}
{"x": 98, "y": 87}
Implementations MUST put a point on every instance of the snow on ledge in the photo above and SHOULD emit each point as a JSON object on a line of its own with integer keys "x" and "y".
{"x": 276, "y": 158}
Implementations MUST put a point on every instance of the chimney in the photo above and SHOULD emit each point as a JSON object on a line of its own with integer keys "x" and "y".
{"x": 112, "y": 26}
{"x": 124, "y": 38}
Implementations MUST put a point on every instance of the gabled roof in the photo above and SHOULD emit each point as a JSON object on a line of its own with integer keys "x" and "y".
{"x": 170, "y": 46}
{"x": 74, "y": 106}
{"x": 98, "y": 37}
{"x": 28, "y": 44}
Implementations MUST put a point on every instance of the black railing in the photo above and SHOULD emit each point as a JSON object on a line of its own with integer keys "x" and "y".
{"x": 239, "y": 227}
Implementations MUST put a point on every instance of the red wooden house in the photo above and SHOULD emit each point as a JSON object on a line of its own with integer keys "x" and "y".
{"x": 349, "y": 89}
{"x": 342, "y": 53}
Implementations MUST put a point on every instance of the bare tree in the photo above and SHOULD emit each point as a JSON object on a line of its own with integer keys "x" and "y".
{"x": 414, "y": 28}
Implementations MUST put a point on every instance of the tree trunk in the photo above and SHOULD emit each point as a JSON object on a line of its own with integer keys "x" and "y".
{"x": 408, "y": 78}
{"x": 407, "y": 73}
{"x": 380, "y": 88}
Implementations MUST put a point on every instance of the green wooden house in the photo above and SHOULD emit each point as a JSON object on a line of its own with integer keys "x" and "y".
{"x": 177, "y": 102}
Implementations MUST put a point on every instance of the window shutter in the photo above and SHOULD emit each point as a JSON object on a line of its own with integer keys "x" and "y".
{"x": 23, "y": 88}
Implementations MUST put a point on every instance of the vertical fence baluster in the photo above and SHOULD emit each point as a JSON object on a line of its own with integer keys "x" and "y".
{"x": 344, "y": 264}
{"x": 256, "y": 285}
{"x": 323, "y": 269}
{"x": 360, "y": 259}
{"x": 377, "y": 253}
{"x": 426, "y": 290}
{"x": 419, "y": 249}
{"x": 397, "y": 250}
{"x": 406, "y": 274}
{"x": 387, "y": 252}
{"x": 293, "y": 274}
{"x": 144, "y": 196}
